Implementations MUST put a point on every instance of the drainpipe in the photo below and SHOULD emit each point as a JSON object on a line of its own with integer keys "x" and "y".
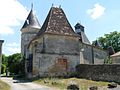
{"x": 43, "y": 51}
{"x": 92, "y": 55}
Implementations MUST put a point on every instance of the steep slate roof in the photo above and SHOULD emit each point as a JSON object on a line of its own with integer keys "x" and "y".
{"x": 111, "y": 50}
{"x": 31, "y": 21}
{"x": 97, "y": 44}
{"x": 56, "y": 23}
{"x": 84, "y": 38}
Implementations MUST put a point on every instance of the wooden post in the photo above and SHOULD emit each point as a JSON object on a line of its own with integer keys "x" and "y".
{"x": 1, "y": 42}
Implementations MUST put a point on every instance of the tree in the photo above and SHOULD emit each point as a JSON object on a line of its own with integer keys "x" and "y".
{"x": 3, "y": 69}
{"x": 112, "y": 39}
{"x": 14, "y": 63}
{"x": 4, "y": 64}
{"x": 4, "y": 60}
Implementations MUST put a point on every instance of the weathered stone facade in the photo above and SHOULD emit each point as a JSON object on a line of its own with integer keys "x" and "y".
{"x": 55, "y": 55}
{"x": 99, "y": 55}
{"x": 92, "y": 55}
{"x": 27, "y": 35}
{"x": 115, "y": 58}
{"x": 55, "y": 49}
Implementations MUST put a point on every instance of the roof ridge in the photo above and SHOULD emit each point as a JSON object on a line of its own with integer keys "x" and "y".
{"x": 49, "y": 16}
{"x": 67, "y": 19}
{"x": 46, "y": 21}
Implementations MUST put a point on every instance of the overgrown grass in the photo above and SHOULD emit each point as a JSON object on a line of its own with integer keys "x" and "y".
{"x": 63, "y": 83}
{"x": 4, "y": 86}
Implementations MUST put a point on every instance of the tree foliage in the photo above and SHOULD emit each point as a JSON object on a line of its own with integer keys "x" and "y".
{"x": 3, "y": 69}
{"x": 111, "y": 39}
{"x": 4, "y": 64}
{"x": 12, "y": 63}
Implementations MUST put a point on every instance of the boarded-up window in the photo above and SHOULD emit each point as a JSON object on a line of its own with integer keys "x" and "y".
{"x": 62, "y": 63}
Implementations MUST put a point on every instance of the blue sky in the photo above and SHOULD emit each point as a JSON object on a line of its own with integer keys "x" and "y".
{"x": 97, "y": 16}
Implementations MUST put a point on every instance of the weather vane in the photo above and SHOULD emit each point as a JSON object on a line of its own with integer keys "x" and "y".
{"x": 31, "y": 5}
{"x": 52, "y": 4}
{"x": 59, "y": 6}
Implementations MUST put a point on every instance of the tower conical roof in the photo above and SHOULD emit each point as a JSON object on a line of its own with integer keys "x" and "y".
{"x": 111, "y": 50}
{"x": 31, "y": 21}
{"x": 56, "y": 23}
{"x": 96, "y": 43}
{"x": 84, "y": 38}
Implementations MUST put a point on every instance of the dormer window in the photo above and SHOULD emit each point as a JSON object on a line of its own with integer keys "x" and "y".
{"x": 28, "y": 22}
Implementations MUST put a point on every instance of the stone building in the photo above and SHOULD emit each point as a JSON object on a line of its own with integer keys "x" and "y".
{"x": 115, "y": 58}
{"x": 29, "y": 30}
{"x": 55, "y": 48}
{"x": 89, "y": 54}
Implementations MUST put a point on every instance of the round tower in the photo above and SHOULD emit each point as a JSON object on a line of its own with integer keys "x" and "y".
{"x": 28, "y": 31}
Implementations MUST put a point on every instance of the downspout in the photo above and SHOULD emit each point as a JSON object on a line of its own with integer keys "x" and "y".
{"x": 43, "y": 45}
{"x": 92, "y": 55}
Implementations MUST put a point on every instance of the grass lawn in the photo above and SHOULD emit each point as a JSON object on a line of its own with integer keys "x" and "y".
{"x": 63, "y": 83}
{"x": 4, "y": 86}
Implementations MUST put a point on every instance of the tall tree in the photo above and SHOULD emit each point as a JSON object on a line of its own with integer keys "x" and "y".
{"x": 111, "y": 39}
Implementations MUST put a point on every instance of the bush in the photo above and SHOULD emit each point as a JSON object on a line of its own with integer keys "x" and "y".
{"x": 107, "y": 60}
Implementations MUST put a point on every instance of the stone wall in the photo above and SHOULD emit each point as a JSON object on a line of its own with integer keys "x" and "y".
{"x": 55, "y": 55}
{"x": 99, "y": 72}
{"x": 49, "y": 65}
{"x": 86, "y": 54}
{"x": 26, "y": 36}
{"x": 99, "y": 55}
{"x": 92, "y": 55}
{"x": 61, "y": 44}
{"x": 115, "y": 60}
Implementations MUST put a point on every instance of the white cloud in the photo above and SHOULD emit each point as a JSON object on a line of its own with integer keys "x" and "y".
{"x": 6, "y": 30}
{"x": 11, "y": 15}
{"x": 97, "y": 11}
{"x": 11, "y": 48}
{"x": 14, "y": 44}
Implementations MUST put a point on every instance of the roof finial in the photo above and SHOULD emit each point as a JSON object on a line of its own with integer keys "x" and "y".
{"x": 52, "y": 4}
{"x": 59, "y": 6}
{"x": 31, "y": 6}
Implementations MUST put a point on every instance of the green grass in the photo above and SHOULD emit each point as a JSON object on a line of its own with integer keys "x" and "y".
{"x": 63, "y": 83}
{"x": 4, "y": 86}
